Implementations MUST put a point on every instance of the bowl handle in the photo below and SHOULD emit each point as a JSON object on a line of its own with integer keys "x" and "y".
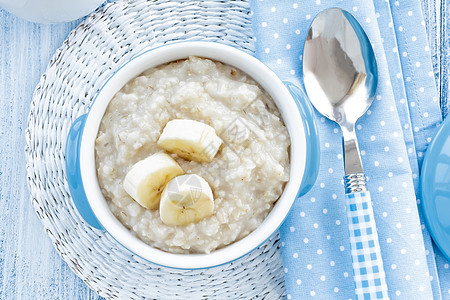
{"x": 73, "y": 173}
{"x": 312, "y": 138}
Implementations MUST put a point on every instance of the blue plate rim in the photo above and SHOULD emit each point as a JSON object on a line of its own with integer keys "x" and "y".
{"x": 427, "y": 192}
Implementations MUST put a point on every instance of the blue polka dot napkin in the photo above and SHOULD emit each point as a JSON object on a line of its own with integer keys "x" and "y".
{"x": 393, "y": 136}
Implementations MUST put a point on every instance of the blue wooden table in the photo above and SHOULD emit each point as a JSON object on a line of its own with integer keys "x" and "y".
{"x": 30, "y": 268}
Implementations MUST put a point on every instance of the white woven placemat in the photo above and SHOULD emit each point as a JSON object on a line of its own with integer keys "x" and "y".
{"x": 91, "y": 53}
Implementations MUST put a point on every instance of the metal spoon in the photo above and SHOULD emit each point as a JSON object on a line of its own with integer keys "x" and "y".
{"x": 341, "y": 77}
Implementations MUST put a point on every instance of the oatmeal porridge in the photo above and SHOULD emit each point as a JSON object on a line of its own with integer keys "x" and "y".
{"x": 246, "y": 175}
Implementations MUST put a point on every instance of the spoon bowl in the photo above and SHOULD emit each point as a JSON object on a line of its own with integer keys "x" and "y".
{"x": 339, "y": 67}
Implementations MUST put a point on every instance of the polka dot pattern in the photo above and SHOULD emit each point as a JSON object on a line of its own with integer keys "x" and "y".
{"x": 315, "y": 234}
{"x": 414, "y": 112}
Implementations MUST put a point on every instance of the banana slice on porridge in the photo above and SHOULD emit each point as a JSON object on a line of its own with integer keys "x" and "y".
{"x": 186, "y": 199}
{"x": 147, "y": 178}
{"x": 191, "y": 140}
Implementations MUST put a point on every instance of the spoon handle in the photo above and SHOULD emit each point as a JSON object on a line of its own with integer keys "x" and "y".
{"x": 368, "y": 272}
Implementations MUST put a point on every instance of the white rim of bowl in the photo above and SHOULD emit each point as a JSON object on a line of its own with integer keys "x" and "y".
{"x": 268, "y": 81}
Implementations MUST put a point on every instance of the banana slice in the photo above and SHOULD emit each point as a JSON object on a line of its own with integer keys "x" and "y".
{"x": 148, "y": 177}
{"x": 186, "y": 199}
{"x": 190, "y": 140}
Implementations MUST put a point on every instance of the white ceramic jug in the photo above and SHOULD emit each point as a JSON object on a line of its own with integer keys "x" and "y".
{"x": 50, "y": 11}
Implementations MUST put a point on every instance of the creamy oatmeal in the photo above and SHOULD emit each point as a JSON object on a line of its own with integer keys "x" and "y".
{"x": 247, "y": 175}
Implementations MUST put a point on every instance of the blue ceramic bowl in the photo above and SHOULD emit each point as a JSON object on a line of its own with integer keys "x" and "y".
{"x": 297, "y": 115}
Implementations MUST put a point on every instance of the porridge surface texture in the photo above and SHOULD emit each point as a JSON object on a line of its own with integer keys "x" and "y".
{"x": 247, "y": 175}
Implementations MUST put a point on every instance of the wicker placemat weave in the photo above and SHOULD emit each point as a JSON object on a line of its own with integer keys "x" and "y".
{"x": 92, "y": 52}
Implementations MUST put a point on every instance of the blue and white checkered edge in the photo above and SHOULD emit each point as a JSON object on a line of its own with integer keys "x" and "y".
{"x": 368, "y": 272}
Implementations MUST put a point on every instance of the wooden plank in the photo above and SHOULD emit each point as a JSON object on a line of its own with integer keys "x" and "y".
{"x": 30, "y": 268}
{"x": 436, "y": 13}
